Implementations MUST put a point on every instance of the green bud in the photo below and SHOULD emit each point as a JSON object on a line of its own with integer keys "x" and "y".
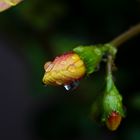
{"x": 108, "y": 107}
{"x": 91, "y": 56}
{"x": 112, "y": 100}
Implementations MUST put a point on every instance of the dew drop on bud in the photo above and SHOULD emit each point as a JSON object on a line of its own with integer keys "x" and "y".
{"x": 71, "y": 86}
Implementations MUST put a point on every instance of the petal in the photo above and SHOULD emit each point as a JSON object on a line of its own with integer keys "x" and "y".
{"x": 5, "y": 4}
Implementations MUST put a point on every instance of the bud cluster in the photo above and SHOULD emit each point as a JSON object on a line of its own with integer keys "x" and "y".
{"x": 66, "y": 69}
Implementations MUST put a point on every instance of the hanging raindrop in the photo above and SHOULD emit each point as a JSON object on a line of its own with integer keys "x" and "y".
{"x": 71, "y": 86}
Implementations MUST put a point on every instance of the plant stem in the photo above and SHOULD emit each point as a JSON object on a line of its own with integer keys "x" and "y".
{"x": 135, "y": 30}
{"x": 109, "y": 64}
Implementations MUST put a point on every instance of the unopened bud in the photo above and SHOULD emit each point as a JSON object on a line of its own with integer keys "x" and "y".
{"x": 64, "y": 70}
{"x": 113, "y": 110}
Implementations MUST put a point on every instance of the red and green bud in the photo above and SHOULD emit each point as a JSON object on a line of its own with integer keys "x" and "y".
{"x": 64, "y": 70}
{"x": 108, "y": 108}
{"x": 5, "y": 4}
{"x": 113, "y": 121}
{"x": 113, "y": 110}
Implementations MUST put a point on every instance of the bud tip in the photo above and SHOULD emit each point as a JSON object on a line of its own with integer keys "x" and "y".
{"x": 113, "y": 121}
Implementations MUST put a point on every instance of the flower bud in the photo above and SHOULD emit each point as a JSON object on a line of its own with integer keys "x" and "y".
{"x": 64, "y": 70}
{"x": 113, "y": 110}
{"x": 5, "y": 4}
{"x": 113, "y": 121}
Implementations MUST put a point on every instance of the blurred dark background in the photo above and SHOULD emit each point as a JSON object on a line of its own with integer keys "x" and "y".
{"x": 34, "y": 32}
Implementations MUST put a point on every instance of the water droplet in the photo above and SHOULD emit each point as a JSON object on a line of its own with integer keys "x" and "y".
{"x": 72, "y": 86}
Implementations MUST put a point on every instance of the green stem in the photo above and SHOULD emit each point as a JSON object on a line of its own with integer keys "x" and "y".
{"x": 109, "y": 64}
{"x": 135, "y": 30}
{"x": 109, "y": 72}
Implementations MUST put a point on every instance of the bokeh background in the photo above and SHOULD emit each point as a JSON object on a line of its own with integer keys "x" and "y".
{"x": 34, "y": 32}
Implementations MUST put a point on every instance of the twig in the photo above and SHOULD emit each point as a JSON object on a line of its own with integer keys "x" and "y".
{"x": 135, "y": 30}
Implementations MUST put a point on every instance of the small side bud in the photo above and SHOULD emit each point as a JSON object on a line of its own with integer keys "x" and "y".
{"x": 96, "y": 110}
{"x": 113, "y": 110}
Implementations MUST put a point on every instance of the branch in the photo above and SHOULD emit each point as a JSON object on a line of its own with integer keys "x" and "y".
{"x": 135, "y": 30}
